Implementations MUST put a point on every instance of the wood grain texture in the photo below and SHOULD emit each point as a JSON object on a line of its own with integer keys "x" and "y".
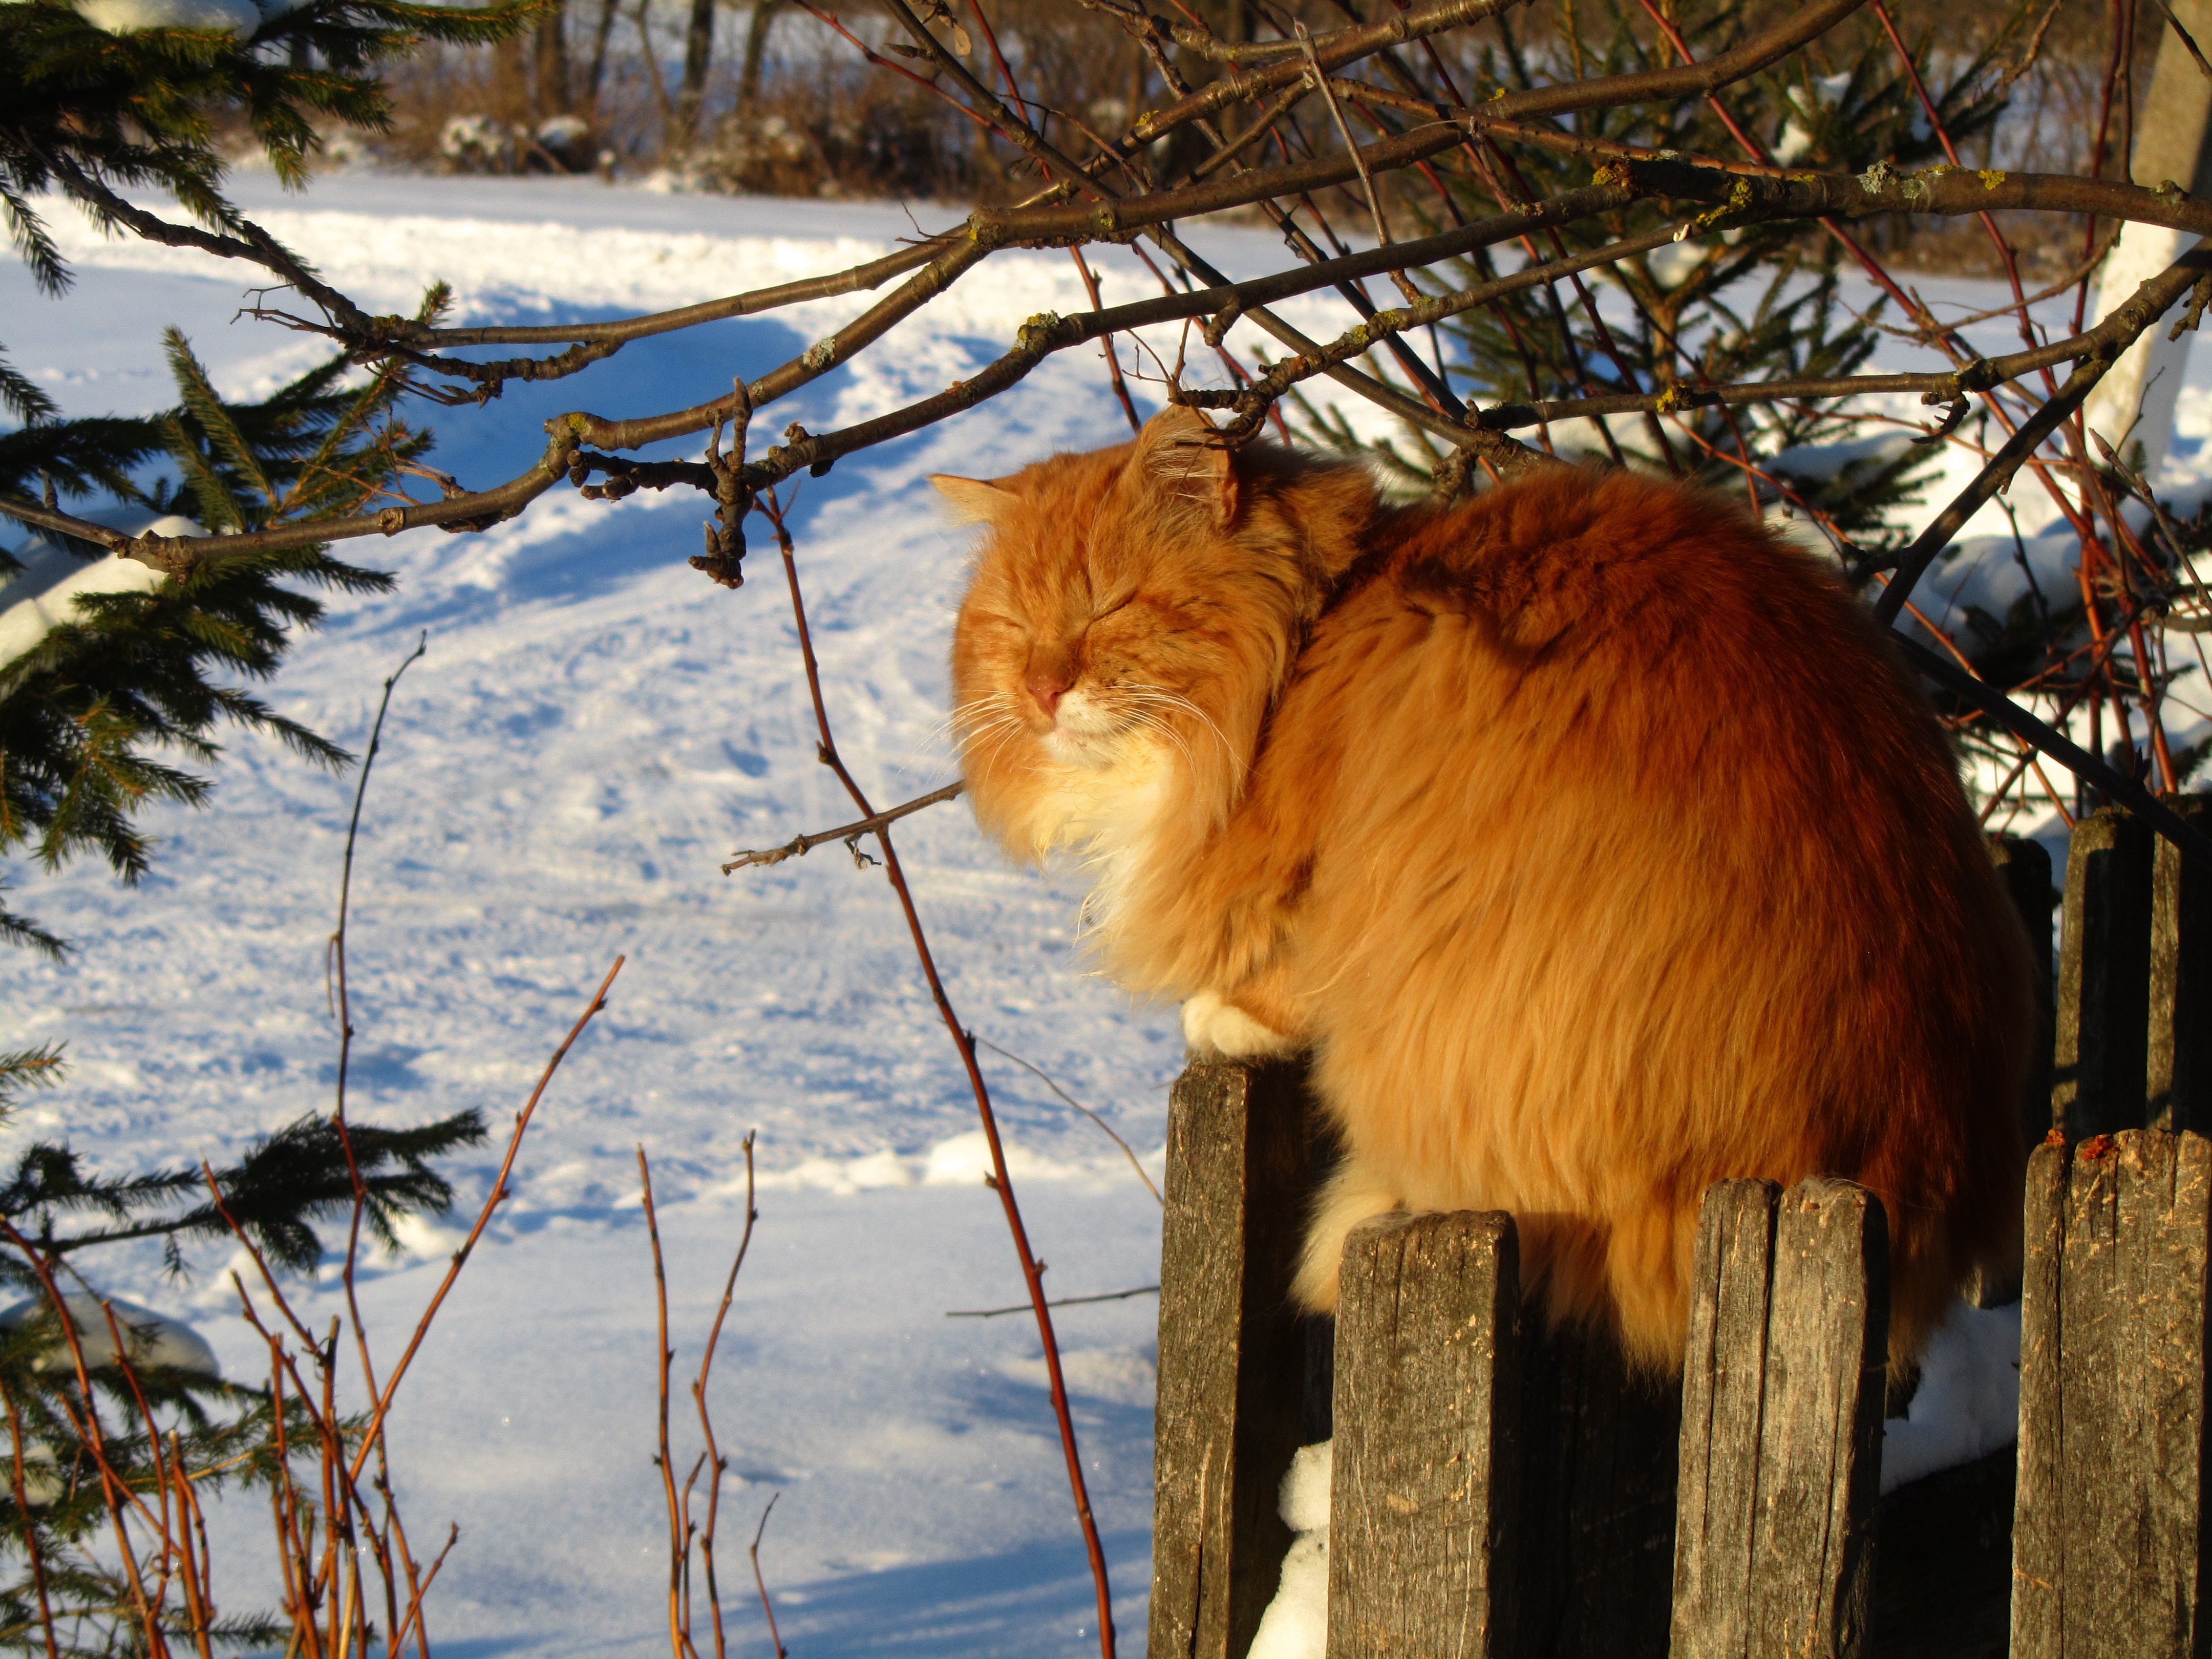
{"x": 1231, "y": 1353}
{"x": 1781, "y": 1446}
{"x": 1819, "y": 1461}
{"x": 2109, "y": 1538}
{"x": 1597, "y": 1498}
{"x": 1723, "y": 1387}
{"x": 1427, "y": 1392}
{"x": 2104, "y": 977}
{"x": 2040, "y": 1499}
{"x": 2178, "y": 1062}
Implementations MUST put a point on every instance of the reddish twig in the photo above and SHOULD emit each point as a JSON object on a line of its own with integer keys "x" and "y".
{"x": 760, "y": 1583}
{"x": 679, "y": 1525}
{"x": 999, "y": 1181}
{"x": 32, "y": 1548}
{"x": 492, "y": 1201}
{"x": 1113, "y": 358}
{"x": 715, "y": 1458}
{"x": 115, "y": 1491}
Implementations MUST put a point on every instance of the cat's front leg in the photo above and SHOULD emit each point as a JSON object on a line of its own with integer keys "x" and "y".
{"x": 1354, "y": 1193}
{"x": 1216, "y": 1028}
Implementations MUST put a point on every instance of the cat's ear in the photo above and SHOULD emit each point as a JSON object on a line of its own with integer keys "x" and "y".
{"x": 1188, "y": 464}
{"x": 974, "y": 500}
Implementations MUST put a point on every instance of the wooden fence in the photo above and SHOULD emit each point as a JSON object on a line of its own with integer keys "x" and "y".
{"x": 1501, "y": 1491}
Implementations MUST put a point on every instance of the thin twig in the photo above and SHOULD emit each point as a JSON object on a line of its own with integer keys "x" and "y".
{"x": 1113, "y": 357}
{"x": 115, "y": 1491}
{"x": 1000, "y": 1180}
{"x": 715, "y": 1459}
{"x": 798, "y": 845}
{"x": 1319, "y": 79}
{"x": 335, "y": 971}
{"x": 492, "y": 1201}
{"x": 761, "y": 1583}
{"x": 679, "y": 1525}
{"x": 32, "y": 1548}
{"x": 1057, "y": 1302}
{"x": 2061, "y": 748}
{"x": 1127, "y": 1151}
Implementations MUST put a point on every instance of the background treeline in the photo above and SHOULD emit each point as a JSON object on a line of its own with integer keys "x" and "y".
{"x": 769, "y": 98}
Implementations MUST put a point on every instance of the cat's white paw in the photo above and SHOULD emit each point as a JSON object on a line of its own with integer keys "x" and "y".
{"x": 1212, "y": 1027}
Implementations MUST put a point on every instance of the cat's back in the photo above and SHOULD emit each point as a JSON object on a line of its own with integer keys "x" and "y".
{"x": 1657, "y": 632}
{"x": 1606, "y": 735}
{"x": 1609, "y": 556}
{"x": 1631, "y": 842}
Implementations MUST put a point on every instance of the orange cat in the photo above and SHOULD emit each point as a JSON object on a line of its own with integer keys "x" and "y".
{"x": 1587, "y": 836}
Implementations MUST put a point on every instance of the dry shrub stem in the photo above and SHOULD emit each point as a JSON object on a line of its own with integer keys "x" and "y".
{"x": 352, "y": 1519}
{"x": 799, "y": 846}
{"x": 1128, "y": 1151}
{"x": 1057, "y": 1302}
{"x": 679, "y": 1520}
{"x": 1001, "y": 1182}
{"x": 715, "y": 1461}
{"x": 768, "y": 1609}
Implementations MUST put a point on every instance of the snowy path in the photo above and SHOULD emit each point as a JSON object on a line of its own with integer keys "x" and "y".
{"x": 595, "y": 728}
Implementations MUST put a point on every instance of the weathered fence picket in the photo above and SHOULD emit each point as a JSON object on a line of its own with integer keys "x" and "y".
{"x": 2104, "y": 977}
{"x": 1231, "y": 1353}
{"x": 1424, "y": 1492}
{"x": 2109, "y": 1536}
{"x": 1597, "y": 1498}
{"x": 2178, "y": 1065}
{"x": 2025, "y": 869}
{"x": 1782, "y": 1401}
{"x": 1504, "y": 1491}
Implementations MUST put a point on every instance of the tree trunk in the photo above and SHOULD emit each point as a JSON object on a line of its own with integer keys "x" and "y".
{"x": 698, "y": 51}
{"x": 749, "y": 77}
{"x": 643, "y": 19}
{"x": 555, "y": 94}
{"x": 2137, "y": 396}
{"x": 598, "y": 71}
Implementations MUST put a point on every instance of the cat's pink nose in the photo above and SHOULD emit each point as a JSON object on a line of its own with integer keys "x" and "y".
{"x": 1048, "y": 690}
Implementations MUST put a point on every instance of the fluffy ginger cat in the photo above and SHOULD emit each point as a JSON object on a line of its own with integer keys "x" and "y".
{"x": 1587, "y": 835}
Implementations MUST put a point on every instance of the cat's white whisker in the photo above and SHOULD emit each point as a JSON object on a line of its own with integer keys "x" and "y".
{"x": 1161, "y": 695}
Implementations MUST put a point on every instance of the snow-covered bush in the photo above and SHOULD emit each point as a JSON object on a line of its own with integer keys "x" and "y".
{"x": 475, "y": 143}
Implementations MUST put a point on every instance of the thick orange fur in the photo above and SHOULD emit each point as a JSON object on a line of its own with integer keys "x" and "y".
{"x": 1589, "y": 837}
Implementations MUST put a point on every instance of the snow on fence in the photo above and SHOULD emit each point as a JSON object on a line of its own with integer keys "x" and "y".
{"x": 1501, "y": 1491}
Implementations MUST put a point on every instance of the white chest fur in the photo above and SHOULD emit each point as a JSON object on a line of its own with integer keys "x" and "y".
{"x": 1109, "y": 816}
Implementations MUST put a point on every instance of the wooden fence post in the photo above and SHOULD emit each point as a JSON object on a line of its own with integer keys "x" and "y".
{"x": 1232, "y": 1353}
{"x": 1422, "y": 1495}
{"x": 2025, "y": 869}
{"x": 2109, "y": 1536}
{"x": 1597, "y": 1498}
{"x": 2179, "y": 1080}
{"x": 1782, "y": 1402}
{"x": 2104, "y": 977}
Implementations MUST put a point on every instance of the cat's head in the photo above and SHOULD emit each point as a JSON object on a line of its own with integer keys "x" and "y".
{"x": 1132, "y": 614}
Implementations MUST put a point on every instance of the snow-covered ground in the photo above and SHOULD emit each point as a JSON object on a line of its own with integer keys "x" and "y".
{"x": 594, "y": 729}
